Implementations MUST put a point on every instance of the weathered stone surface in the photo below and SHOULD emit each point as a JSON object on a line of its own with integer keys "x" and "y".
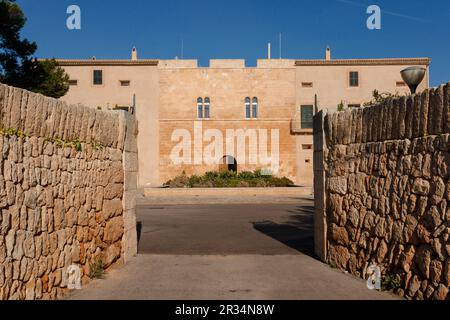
{"x": 382, "y": 251}
{"x": 339, "y": 255}
{"x": 113, "y": 230}
{"x": 423, "y": 260}
{"x": 339, "y": 235}
{"x": 112, "y": 208}
{"x": 337, "y": 185}
{"x": 441, "y": 292}
{"x": 388, "y": 193}
{"x": 436, "y": 270}
{"x": 113, "y": 190}
{"x": 51, "y": 193}
{"x": 421, "y": 187}
{"x": 414, "y": 286}
{"x": 437, "y": 190}
{"x": 111, "y": 255}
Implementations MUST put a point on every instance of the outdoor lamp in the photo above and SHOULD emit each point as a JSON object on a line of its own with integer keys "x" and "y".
{"x": 413, "y": 76}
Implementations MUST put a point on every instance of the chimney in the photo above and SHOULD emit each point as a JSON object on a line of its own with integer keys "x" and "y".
{"x": 269, "y": 49}
{"x": 328, "y": 54}
{"x": 134, "y": 54}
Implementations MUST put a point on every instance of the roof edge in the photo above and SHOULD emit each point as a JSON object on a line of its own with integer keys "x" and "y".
{"x": 108, "y": 62}
{"x": 368, "y": 62}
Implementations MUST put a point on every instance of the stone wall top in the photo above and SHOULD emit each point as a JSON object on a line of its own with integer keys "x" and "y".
{"x": 36, "y": 115}
{"x": 419, "y": 115}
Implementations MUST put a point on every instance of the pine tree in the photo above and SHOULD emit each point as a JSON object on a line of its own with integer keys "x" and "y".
{"x": 18, "y": 67}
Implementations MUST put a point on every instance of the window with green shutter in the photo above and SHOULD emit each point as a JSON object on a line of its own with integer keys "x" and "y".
{"x": 307, "y": 113}
{"x": 98, "y": 77}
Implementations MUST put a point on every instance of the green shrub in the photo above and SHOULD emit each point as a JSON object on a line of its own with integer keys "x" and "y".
{"x": 228, "y": 179}
{"x": 96, "y": 268}
{"x": 211, "y": 175}
{"x": 246, "y": 175}
{"x": 389, "y": 283}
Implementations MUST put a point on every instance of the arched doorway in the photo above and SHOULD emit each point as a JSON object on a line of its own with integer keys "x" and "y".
{"x": 228, "y": 163}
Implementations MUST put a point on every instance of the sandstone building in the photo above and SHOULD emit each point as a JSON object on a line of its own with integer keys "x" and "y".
{"x": 183, "y": 107}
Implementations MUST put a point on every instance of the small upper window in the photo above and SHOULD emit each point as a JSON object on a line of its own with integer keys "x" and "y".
{"x": 73, "y": 82}
{"x": 98, "y": 77}
{"x": 255, "y": 108}
{"x": 307, "y": 84}
{"x": 350, "y": 106}
{"x": 125, "y": 83}
{"x": 207, "y": 109}
{"x": 200, "y": 108}
{"x": 354, "y": 79}
{"x": 401, "y": 84}
{"x": 248, "y": 112}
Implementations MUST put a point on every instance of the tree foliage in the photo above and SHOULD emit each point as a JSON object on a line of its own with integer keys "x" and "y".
{"x": 18, "y": 67}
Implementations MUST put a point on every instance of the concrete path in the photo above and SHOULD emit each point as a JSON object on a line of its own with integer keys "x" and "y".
{"x": 234, "y": 251}
{"x": 193, "y": 196}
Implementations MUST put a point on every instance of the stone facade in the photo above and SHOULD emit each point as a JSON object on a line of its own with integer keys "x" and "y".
{"x": 165, "y": 94}
{"x": 385, "y": 198}
{"x": 64, "y": 192}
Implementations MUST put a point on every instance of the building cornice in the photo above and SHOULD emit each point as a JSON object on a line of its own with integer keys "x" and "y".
{"x": 364, "y": 62}
{"x": 307, "y": 62}
{"x": 93, "y": 62}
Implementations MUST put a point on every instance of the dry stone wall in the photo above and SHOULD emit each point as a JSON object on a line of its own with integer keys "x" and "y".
{"x": 383, "y": 192}
{"x": 66, "y": 173}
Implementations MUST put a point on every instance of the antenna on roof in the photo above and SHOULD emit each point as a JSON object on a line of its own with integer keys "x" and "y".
{"x": 281, "y": 45}
{"x": 182, "y": 48}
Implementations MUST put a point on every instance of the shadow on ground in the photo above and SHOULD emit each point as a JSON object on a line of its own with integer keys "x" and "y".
{"x": 297, "y": 232}
{"x": 139, "y": 231}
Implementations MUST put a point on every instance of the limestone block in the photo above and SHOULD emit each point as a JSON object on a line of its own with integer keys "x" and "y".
{"x": 446, "y": 108}
{"x": 421, "y": 187}
{"x": 337, "y": 185}
{"x": 339, "y": 235}
{"x": 441, "y": 292}
{"x": 334, "y": 129}
{"x": 437, "y": 107}
{"x": 424, "y": 106}
{"x": 113, "y": 190}
{"x": 416, "y": 108}
{"x": 112, "y": 208}
{"x": 339, "y": 255}
{"x": 113, "y": 230}
{"x": 385, "y": 120}
{"x": 111, "y": 255}
{"x": 423, "y": 260}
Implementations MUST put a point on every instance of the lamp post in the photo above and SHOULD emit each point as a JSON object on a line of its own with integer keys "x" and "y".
{"x": 413, "y": 76}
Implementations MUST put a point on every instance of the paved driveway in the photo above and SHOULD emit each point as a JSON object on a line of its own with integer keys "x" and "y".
{"x": 227, "y": 251}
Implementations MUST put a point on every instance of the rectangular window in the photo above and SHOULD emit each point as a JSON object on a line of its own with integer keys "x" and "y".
{"x": 207, "y": 112}
{"x": 73, "y": 82}
{"x": 307, "y": 84}
{"x": 354, "y": 79}
{"x": 125, "y": 83}
{"x": 124, "y": 108}
{"x": 401, "y": 84}
{"x": 307, "y": 113}
{"x": 354, "y": 106}
{"x": 98, "y": 77}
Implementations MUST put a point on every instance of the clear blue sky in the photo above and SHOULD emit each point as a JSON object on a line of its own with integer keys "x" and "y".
{"x": 242, "y": 28}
